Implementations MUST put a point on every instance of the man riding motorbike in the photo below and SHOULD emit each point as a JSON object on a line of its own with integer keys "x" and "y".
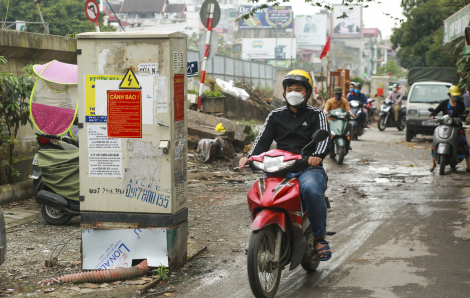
{"x": 454, "y": 107}
{"x": 397, "y": 96}
{"x": 362, "y": 98}
{"x": 292, "y": 127}
{"x": 337, "y": 102}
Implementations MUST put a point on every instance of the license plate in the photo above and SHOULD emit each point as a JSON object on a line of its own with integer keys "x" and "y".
{"x": 430, "y": 123}
{"x": 35, "y": 160}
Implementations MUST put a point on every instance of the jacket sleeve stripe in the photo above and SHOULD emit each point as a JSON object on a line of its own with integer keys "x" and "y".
{"x": 323, "y": 125}
{"x": 263, "y": 129}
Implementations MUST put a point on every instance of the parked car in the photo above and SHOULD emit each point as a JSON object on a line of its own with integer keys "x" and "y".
{"x": 3, "y": 238}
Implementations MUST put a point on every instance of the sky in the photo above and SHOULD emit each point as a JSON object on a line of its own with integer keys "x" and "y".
{"x": 373, "y": 16}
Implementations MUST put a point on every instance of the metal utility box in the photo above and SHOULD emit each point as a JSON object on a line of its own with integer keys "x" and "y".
{"x": 132, "y": 120}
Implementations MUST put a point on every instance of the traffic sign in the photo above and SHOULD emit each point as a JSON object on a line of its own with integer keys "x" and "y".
{"x": 91, "y": 10}
{"x": 129, "y": 81}
{"x": 205, "y": 10}
{"x": 213, "y": 44}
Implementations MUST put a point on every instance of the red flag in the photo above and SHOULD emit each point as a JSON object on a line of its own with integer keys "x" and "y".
{"x": 326, "y": 48}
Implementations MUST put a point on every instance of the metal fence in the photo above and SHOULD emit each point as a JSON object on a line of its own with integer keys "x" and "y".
{"x": 226, "y": 68}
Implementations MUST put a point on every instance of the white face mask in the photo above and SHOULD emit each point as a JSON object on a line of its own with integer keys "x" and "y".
{"x": 295, "y": 98}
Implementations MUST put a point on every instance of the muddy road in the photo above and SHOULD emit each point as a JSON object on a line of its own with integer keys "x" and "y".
{"x": 401, "y": 230}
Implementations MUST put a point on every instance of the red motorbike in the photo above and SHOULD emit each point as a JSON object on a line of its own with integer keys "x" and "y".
{"x": 281, "y": 229}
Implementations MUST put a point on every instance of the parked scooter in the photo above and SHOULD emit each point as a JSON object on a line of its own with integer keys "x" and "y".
{"x": 357, "y": 128}
{"x": 340, "y": 128}
{"x": 55, "y": 178}
{"x": 445, "y": 141}
{"x": 281, "y": 230}
{"x": 387, "y": 119}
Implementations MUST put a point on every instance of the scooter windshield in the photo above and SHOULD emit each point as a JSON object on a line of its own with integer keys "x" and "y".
{"x": 53, "y": 102}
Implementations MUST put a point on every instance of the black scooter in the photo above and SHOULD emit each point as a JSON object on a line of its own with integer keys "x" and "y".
{"x": 387, "y": 119}
{"x": 55, "y": 208}
{"x": 357, "y": 127}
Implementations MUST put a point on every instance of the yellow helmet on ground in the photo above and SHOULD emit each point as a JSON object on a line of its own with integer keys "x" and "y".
{"x": 454, "y": 91}
{"x": 300, "y": 77}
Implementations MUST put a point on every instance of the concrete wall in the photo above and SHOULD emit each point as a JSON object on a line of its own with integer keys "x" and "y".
{"x": 22, "y": 49}
{"x": 238, "y": 109}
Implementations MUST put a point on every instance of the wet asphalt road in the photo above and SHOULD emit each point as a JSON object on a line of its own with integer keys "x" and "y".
{"x": 401, "y": 231}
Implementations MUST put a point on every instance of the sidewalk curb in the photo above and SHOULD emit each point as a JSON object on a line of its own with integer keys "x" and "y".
{"x": 16, "y": 192}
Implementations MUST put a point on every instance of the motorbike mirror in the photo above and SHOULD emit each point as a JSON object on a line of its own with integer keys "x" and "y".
{"x": 320, "y": 135}
{"x": 431, "y": 110}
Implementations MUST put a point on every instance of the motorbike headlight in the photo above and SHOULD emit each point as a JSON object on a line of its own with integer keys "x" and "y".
{"x": 273, "y": 164}
{"x": 447, "y": 120}
{"x": 412, "y": 112}
{"x": 354, "y": 104}
{"x": 386, "y": 108}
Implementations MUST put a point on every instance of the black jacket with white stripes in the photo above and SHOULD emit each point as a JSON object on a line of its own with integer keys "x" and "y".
{"x": 293, "y": 131}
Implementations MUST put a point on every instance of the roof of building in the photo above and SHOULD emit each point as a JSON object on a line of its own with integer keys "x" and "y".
{"x": 115, "y": 7}
{"x": 175, "y": 8}
{"x": 371, "y": 32}
{"x": 143, "y": 5}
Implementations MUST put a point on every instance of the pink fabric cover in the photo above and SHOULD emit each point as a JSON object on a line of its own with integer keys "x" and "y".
{"x": 52, "y": 120}
{"x": 58, "y": 72}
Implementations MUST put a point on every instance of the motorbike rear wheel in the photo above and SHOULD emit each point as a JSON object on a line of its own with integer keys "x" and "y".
{"x": 54, "y": 216}
{"x": 402, "y": 124}
{"x": 310, "y": 261}
{"x": 332, "y": 153}
{"x": 36, "y": 183}
{"x": 264, "y": 279}
{"x": 341, "y": 154}
{"x": 442, "y": 164}
{"x": 381, "y": 124}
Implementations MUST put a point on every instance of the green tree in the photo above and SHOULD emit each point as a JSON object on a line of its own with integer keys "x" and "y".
{"x": 419, "y": 38}
{"x": 392, "y": 68}
{"x": 14, "y": 112}
{"x": 193, "y": 42}
{"x": 358, "y": 80}
{"x": 65, "y": 17}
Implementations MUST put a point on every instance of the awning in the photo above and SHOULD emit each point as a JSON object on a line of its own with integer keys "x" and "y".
{"x": 454, "y": 26}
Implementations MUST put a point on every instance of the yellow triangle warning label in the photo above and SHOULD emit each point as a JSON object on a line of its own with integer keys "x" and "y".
{"x": 129, "y": 81}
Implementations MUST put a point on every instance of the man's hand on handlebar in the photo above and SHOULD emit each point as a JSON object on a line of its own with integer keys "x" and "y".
{"x": 314, "y": 161}
{"x": 243, "y": 161}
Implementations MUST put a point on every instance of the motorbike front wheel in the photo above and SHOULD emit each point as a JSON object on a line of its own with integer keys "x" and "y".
{"x": 341, "y": 154}
{"x": 442, "y": 164}
{"x": 381, "y": 124}
{"x": 54, "y": 216}
{"x": 264, "y": 279}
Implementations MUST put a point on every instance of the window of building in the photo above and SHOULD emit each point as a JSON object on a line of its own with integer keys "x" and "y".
{"x": 143, "y": 16}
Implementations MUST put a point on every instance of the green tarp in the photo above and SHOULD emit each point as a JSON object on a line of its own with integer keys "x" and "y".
{"x": 60, "y": 171}
{"x": 433, "y": 74}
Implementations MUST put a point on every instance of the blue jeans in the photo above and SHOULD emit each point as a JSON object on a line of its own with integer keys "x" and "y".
{"x": 312, "y": 185}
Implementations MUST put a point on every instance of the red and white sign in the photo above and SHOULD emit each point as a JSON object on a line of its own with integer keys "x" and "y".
{"x": 92, "y": 11}
{"x": 124, "y": 114}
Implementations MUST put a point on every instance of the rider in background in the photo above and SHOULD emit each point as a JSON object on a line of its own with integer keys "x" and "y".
{"x": 362, "y": 98}
{"x": 454, "y": 107}
{"x": 397, "y": 96}
{"x": 292, "y": 127}
{"x": 337, "y": 102}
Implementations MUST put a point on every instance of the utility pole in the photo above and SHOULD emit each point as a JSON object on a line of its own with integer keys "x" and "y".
{"x": 46, "y": 28}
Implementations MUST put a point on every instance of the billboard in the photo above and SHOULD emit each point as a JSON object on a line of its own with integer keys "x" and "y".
{"x": 269, "y": 48}
{"x": 279, "y": 17}
{"x": 310, "y": 30}
{"x": 350, "y": 26}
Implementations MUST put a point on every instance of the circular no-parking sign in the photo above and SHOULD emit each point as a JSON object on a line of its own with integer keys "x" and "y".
{"x": 92, "y": 11}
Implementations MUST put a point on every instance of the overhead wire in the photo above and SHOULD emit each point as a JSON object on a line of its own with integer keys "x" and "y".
{"x": 119, "y": 21}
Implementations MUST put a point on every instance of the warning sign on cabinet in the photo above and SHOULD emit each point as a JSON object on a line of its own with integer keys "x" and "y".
{"x": 105, "y": 164}
{"x": 179, "y": 97}
{"x": 124, "y": 113}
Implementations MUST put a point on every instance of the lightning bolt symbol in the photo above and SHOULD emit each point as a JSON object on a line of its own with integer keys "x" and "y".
{"x": 130, "y": 80}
